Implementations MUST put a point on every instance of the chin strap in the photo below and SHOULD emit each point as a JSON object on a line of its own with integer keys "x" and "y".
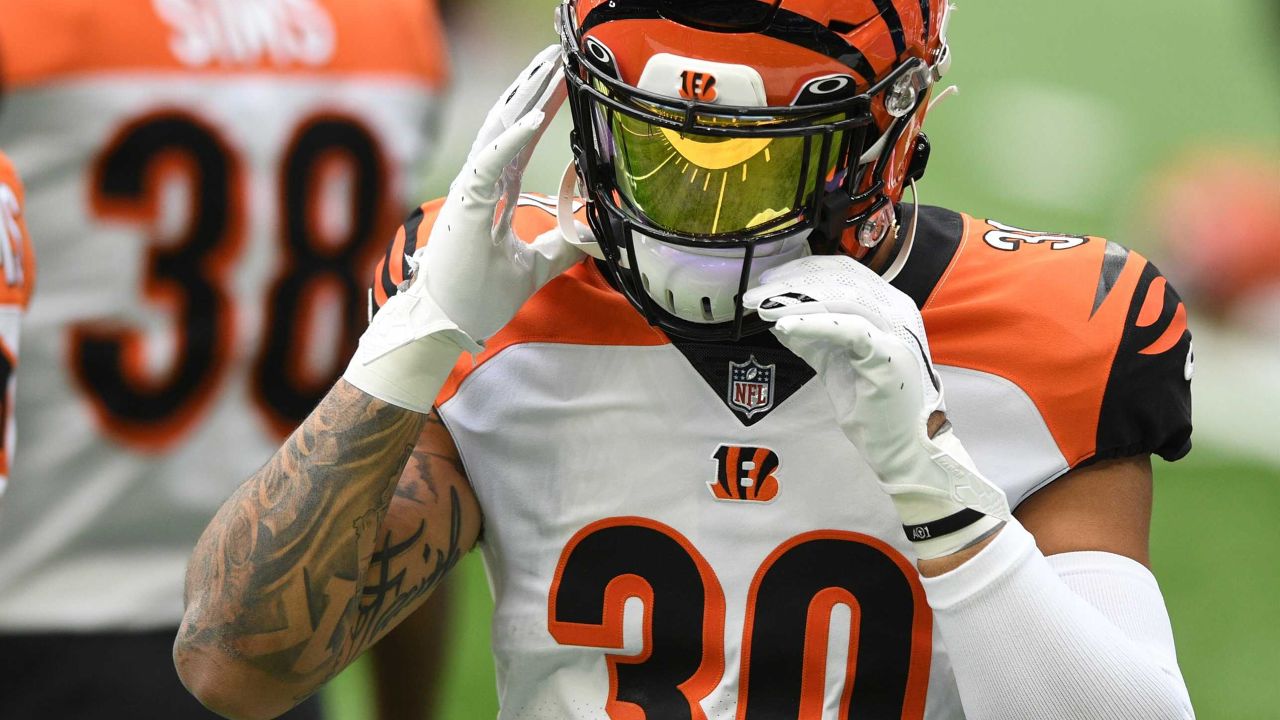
{"x": 948, "y": 92}
{"x": 568, "y": 205}
{"x": 943, "y": 66}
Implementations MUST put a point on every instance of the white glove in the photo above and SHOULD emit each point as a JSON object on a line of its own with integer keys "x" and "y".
{"x": 474, "y": 273}
{"x": 866, "y": 340}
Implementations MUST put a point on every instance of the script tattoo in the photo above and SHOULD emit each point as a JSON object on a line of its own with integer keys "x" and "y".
{"x": 387, "y": 598}
{"x": 278, "y": 580}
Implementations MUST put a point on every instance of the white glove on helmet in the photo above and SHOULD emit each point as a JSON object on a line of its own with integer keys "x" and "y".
{"x": 474, "y": 273}
{"x": 866, "y": 340}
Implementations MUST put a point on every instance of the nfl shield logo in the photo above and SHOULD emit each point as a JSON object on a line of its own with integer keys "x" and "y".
{"x": 751, "y": 387}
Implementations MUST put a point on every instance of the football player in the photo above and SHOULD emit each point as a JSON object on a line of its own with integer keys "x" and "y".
{"x": 705, "y": 430}
{"x": 17, "y": 276}
{"x": 211, "y": 182}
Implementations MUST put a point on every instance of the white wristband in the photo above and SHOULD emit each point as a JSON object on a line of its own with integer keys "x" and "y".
{"x": 408, "y": 352}
{"x": 936, "y": 522}
{"x": 409, "y": 377}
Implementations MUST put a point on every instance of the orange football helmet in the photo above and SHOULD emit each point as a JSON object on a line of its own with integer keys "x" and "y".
{"x": 717, "y": 138}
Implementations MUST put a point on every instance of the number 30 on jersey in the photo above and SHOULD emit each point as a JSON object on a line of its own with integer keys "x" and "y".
{"x": 784, "y": 641}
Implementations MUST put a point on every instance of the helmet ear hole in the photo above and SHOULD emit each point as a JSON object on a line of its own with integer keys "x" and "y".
{"x": 707, "y": 314}
{"x": 671, "y": 301}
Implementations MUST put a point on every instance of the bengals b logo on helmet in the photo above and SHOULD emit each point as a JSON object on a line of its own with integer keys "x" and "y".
{"x": 745, "y": 474}
{"x": 698, "y": 86}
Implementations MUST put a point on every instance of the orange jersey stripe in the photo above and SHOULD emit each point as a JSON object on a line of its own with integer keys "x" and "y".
{"x": 45, "y": 40}
{"x": 577, "y": 308}
{"x": 390, "y": 265}
{"x": 1153, "y": 305}
{"x": 1172, "y": 335}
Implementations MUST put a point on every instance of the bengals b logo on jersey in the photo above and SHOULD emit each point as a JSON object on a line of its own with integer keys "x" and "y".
{"x": 745, "y": 474}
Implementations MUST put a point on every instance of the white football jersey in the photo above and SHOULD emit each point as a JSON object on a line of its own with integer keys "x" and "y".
{"x": 210, "y": 182}
{"x": 676, "y": 529}
{"x": 17, "y": 276}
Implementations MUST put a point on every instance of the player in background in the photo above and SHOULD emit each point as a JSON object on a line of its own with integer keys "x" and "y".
{"x": 713, "y": 464}
{"x": 17, "y": 277}
{"x": 1217, "y": 211}
{"x": 211, "y": 183}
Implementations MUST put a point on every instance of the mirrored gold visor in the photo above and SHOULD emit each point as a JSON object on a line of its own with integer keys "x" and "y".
{"x": 702, "y": 184}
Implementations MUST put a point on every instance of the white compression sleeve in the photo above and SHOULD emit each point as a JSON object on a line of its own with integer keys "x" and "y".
{"x": 1081, "y": 636}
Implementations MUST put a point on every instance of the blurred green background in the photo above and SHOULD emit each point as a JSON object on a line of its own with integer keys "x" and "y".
{"x": 1069, "y": 113}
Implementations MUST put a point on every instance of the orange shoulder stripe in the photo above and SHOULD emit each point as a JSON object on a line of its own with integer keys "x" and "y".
{"x": 577, "y": 308}
{"x": 392, "y": 269}
{"x": 1172, "y": 334}
{"x": 383, "y": 273}
{"x": 1153, "y": 305}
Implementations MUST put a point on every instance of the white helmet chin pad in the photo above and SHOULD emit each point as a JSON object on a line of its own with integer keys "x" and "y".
{"x": 700, "y": 285}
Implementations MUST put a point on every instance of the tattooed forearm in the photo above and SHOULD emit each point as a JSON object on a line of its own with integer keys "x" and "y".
{"x": 418, "y": 485}
{"x": 390, "y": 592}
{"x": 414, "y": 558}
{"x": 277, "y": 579}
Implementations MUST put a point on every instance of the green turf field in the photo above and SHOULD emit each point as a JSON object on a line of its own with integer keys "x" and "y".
{"x": 1214, "y": 539}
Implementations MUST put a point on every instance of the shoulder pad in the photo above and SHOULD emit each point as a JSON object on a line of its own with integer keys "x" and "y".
{"x": 1088, "y": 329}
